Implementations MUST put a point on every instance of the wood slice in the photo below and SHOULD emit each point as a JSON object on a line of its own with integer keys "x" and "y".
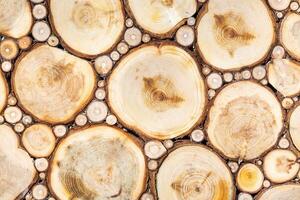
{"x": 98, "y": 162}
{"x": 39, "y": 140}
{"x": 17, "y": 171}
{"x": 294, "y": 126}
{"x": 15, "y": 16}
{"x": 284, "y": 76}
{"x": 3, "y": 92}
{"x": 280, "y": 192}
{"x": 232, "y": 34}
{"x": 280, "y": 165}
{"x": 88, "y": 27}
{"x": 158, "y": 91}
{"x": 53, "y": 85}
{"x": 194, "y": 172}
{"x": 249, "y": 178}
{"x": 161, "y": 17}
{"x": 290, "y": 35}
{"x": 244, "y": 121}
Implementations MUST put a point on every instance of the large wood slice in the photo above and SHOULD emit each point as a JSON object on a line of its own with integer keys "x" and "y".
{"x": 17, "y": 171}
{"x": 280, "y": 192}
{"x": 290, "y": 34}
{"x": 284, "y": 76}
{"x": 194, "y": 172}
{"x": 157, "y": 91}
{"x": 294, "y": 126}
{"x": 15, "y": 18}
{"x": 98, "y": 162}
{"x": 3, "y": 92}
{"x": 161, "y": 17}
{"x": 232, "y": 34}
{"x": 245, "y": 120}
{"x": 88, "y": 27}
{"x": 53, "y": 85}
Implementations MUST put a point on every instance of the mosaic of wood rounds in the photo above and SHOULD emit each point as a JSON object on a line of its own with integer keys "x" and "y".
{"x": 149, "y": 100}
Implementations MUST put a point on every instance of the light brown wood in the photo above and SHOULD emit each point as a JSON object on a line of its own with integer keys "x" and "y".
{"x": 15, "y": 16}
{"x": 8, "y": 49}
{"x": 284, "y": 76}
{"x": 161, "y": 17}
{"x": 53, "y": 85}
{"x": 289, "y": 34}
{"x": 280, "y": 192}
{"x": 194, "y": 172}
{"x": 244, "y": 121}
{"x": 3, "y": 92}
{"x": 88, "y": 27}
{"x": 249, "y": 178}
{"x": 16, "y": 167}
{"x": 232, "y": 34}
{"x": 39, "y": 140}
{"x": 294, "y": 126}
{"x": 158, "y": 91}
{"x": 98, "y": 162}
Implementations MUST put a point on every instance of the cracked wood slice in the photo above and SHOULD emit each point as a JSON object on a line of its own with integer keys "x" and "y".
{"x": 158, "y": 91}
{"x": 3, "y": 92}
{"x": 17, "y": 171}
{"x": 284, "y": 76}
{"x": 194, "y": 172}
{"x": 53, "y": 85}
{"x": 161, "y": 17}
{"x": 15, "y": 18}
{"x": 98, "y": 162}
{"x": 244, "y": 121}
{"x": 289, "y": 34}
{"x": 232, "y": 34}
{"x": 88, "y": 27}
{"x": 294, "y": 126}
{"x": 281, "y": 192}
{"x": 39, "y": 140}
{"x": 280, "y": 165}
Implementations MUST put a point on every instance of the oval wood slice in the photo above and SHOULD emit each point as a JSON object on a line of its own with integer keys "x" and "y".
{"x": 53, "y": 85}
{"x": 284, "y": 76}
{"x": 17, "y": 171}
{"x": 289, "y": 34}
{"x": 15, "y": 17}
{"x": 294, "y": 126}
{"x": 88, "y": 27}
{"x": 245, "y": 120}
{"x": 161, "y": 17}
{"x": 280, "y": 192}
{"x": 194, "y": 172}
{"x": 98, "y": 162}
{"x": 3, "y": 92}
{"x": 157, "y": 91}
{"x": 232, "y": 34}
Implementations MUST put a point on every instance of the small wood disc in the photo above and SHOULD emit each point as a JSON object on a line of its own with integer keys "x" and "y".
{"x": 290, "y": 34}
{"x": 294, "y": 125}
{"x": 53, "y": 85}
{"x": 88, "y": 27}
{"x": 279, "y": 4}
{"x": 99, "y": 162}
{"x": 39, "y": 140}
{"x": 284, "y": 76}
{"x": 194, "y": 172}
{"x": 280, "y": 165}
{"x": 8, "y": 49}
{"x": 245, "y": 120}
{"x": 234, "y": 35}
{"x": 16, "y": 167}
{"x": 15, "y": 17}
{"x": 41, "y": 31}
{"x": 24, "y": 42}
{"x": 250, "y": 178}
{"x": 157, "y": 91}
{"x": 281, "y": 192}
{"x": 161, "y": 17}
